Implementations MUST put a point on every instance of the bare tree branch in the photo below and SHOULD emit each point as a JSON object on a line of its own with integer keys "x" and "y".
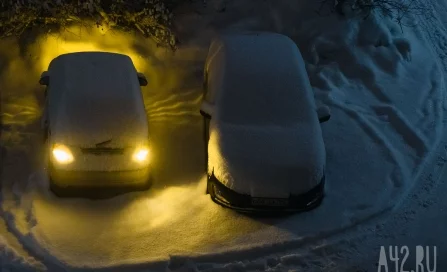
{"x": 151, "y": 18}
{"x": 398, "y": 10}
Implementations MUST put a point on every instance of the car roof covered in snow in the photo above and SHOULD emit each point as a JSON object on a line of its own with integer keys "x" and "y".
{"x": 260, "y": 78}
{"x": 93, "y": 73}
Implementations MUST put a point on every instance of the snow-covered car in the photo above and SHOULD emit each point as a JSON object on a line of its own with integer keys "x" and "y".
{"x": 95, "y": 123}
{"x": 263, "y": 140}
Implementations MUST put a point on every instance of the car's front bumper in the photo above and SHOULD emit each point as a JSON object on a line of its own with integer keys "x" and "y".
{"x": 94, "y": 179}
{"x": 226, "y": 197}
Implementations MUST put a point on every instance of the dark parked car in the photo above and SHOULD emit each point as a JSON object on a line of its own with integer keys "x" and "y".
{"x": 263, "y": 140}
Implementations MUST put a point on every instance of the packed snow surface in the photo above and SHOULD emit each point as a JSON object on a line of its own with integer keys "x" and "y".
{"x": 384, "y": 88}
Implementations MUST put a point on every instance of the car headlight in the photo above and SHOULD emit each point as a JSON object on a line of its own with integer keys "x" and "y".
{"x": 62, "y": 154}
{"x": 141, "y": 154}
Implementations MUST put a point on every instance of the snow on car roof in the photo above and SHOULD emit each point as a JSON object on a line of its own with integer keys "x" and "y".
{"x": 263, "y": 79}
{"x": 93, "y": 73}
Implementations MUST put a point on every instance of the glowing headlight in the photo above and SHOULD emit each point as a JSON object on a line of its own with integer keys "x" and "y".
{"x": 62, "y": 154}
{"x": 141, "y": 154}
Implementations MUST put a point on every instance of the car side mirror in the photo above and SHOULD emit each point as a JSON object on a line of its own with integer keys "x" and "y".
{"x": 142, "y": 79}
{"x": 44, "y": 79}
{"x": 324, "y": 114}
{"x": 206, "y": 109}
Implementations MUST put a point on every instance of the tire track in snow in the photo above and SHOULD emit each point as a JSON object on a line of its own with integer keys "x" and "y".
{"x": 255, "y": 252}
{"x": 430, "y": 172}
{"x": 377, "y": 135}
{"x": 378, "y": 233}
{"x": 39, "y": 253}
{"x": 22, "y": 263}
{"x": 401, "y": 124}
{"x": 436, "y": 159}
{"x": 26, "y": 242}
{"x": 10, "y": 259}
{"x": 435, "y": 31}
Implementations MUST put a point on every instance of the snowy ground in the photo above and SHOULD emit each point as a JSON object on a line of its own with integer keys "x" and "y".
{"x": 384, "y": 143}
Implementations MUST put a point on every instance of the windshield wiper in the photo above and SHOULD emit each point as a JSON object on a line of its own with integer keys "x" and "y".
{"x": 103, "y": 143}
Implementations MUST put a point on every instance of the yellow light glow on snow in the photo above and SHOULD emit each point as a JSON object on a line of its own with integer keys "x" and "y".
{"x": 19, "y": 105}
{"x": 169, "y": 100}
{"x": 76, "y": 39}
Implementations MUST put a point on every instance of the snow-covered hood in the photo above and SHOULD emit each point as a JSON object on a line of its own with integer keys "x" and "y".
{"x": 267, "y": 161}
{"x": 96, "y": 97}
{"x": 99, "y": 121}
